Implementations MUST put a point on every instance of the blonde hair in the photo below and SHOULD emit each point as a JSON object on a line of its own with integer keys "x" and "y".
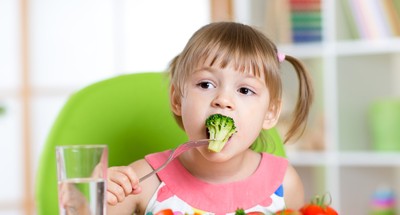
{"x": 221, "y": 43}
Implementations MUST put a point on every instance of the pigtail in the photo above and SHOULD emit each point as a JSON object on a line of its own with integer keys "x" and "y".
{"x": 304, "y": 100}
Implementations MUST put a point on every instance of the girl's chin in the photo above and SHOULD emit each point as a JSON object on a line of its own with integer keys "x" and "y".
{"x": 221, "y": 156}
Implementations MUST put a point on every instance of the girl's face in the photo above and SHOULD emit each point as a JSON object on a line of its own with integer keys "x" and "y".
{"x": 239, "y": 95}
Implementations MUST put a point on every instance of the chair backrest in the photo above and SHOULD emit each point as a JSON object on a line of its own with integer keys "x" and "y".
{"x": 129, "y": 113}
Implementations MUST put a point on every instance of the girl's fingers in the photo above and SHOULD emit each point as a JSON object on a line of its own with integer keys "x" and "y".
{"x": 122, "y": 181}
{"x": 130, "y": 173}
{"x": 112, "y": 199}
{"x": 122, "y": 177}
{"x": 116, "y": 190}
{"x": 136, "y": 190}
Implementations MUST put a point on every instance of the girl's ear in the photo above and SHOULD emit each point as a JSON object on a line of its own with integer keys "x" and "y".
{"x": 272, "y": 116}
{"x": 175, "y": 101}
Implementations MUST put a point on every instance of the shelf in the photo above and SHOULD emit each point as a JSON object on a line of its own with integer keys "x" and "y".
{"x": 343, "y": 48}
{"x": 344, "y": 69}
{"x": 369, "y": 159}
{"x": 313, "y": 50}
{"x": 309, "y": 158}
{"x": 345, "y": 159}
{"x": 365, "y": 47}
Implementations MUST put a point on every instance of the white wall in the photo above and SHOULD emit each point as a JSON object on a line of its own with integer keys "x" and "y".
{"x": 152, "y": 32}
{"x": 10, "y": 123}
{"x": 72, "y": 44}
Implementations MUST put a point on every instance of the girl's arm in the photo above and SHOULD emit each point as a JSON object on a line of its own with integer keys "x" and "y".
{"x": 293, "y": 189}
{"x": 124, "y": 193}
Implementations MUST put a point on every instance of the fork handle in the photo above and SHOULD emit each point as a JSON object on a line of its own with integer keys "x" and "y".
{"x": 175, "y": 153}
{"x": 159, "y": 168}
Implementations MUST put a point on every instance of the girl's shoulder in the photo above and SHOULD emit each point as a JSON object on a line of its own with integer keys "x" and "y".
{"x": 158, "y": 158}
{"x": 274, "y": 160}
{"x": 145, "y": 165}
{"x": 294, "y": 189}
{"x": 141, "y": 167}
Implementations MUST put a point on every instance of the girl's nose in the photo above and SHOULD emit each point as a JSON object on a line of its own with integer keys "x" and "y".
{"x": 223, "y": 101}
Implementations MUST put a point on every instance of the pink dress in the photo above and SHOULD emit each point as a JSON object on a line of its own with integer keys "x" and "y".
{"x": 185, "y": 194}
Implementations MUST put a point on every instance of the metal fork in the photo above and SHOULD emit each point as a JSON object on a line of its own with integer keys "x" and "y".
{"x": 175, "y": 153}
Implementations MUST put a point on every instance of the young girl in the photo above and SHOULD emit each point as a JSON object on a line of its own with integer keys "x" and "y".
{"x": 231, "y": 69}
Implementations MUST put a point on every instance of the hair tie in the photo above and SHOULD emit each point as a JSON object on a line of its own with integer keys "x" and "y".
{"x": 281, "y": 57}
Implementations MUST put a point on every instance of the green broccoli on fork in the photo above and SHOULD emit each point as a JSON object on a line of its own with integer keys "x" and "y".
{"x": 220, "y": 129}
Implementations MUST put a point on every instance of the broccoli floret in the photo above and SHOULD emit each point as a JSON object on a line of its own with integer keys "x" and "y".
{"x": 220, "y": 128}
{"x": 240, "y": 211}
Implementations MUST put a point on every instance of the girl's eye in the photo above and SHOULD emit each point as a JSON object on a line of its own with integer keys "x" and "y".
{"x": 205, "y": 85}
{"x": 246, "y": 91}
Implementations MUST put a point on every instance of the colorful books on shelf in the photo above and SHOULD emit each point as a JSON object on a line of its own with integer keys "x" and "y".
{"x": 293, "y": 21}
{"x": 372, "y": 19}
{"x": 306, "y": 19}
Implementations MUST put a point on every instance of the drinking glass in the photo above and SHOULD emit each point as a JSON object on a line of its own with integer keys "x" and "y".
{"x": 82, "y": 176}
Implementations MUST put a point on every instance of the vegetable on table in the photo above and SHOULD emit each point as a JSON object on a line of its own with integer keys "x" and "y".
{"x": 165, "y": 212}
{"x": 288, "y": 212}
{"x": 220, "y": 128}
{"x": 240, "y": 211}
{"x": 255, "y": 213}
{"x": 318, "y": 206}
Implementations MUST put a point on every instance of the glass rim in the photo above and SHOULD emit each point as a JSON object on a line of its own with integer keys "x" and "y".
{"x": 81, "y": 146}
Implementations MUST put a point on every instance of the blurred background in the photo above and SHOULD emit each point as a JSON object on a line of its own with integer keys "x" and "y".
{"x": 51, "y": 48}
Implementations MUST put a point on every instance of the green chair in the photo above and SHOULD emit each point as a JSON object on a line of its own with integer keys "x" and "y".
{"x": 130, "y": 113}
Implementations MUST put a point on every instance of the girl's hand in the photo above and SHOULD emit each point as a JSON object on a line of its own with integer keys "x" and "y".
{"x": 122, "y": 181}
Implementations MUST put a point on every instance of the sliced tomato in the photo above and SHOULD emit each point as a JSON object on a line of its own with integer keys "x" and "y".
{"x": 287, "y": 212}
{"x": 255, "y": 213}
{"x": 165, "y": 212}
